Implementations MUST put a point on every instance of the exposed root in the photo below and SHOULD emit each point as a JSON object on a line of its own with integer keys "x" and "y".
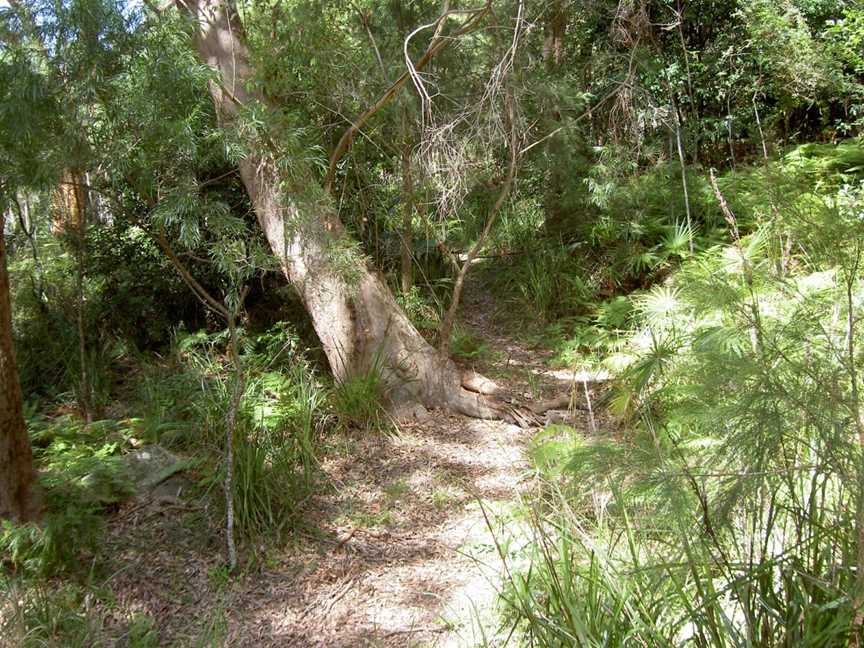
{"x": 484, "y": 407}
{"x": 564, "y": 401}
{"x": 474, "y": 382}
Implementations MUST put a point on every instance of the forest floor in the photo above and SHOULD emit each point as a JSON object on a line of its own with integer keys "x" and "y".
{"x": 397, "y": 549}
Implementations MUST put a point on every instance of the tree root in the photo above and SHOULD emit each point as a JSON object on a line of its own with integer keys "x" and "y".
{"x": 479, "y": 384}
{"x": 489, "y": 408}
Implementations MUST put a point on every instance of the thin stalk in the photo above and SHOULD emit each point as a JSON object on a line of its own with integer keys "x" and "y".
{"x": 756, "y": 327}
{"x": 729, "y": 130}
{"x": 29, "y": 228}
{"x": 230, "y": 427}
{"x": 79, "y": 223}
{"x": 759, "y": 127}
{"x": 588, "y": 402}
{"x": 683, "y": 161}
{"x": 446, "y": 329}
{"x": 858, "y": 621}
{"x": 679, "y": 14}
{"x": 407, "y": 278}
{"x": 230, "y": 317}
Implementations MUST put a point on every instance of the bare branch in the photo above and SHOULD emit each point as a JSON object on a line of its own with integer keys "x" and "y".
{"x": 450, "y": 317}
{"x": 200, "y": 292}
{"x": 434, "y": 47}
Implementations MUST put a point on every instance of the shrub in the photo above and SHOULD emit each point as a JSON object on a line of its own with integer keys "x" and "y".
{"x": 81, "y": 475}
{"x": 42, "y": 614}
{"x": 277, "y": 429}
{"x": 727, "y": 515}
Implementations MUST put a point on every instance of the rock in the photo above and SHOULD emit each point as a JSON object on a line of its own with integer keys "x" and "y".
{"x": 174, "y": 487}
{"x": 151, "y": 465}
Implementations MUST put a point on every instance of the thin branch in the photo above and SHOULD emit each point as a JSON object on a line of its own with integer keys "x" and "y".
{"x": 586, "y": 113}
{"x": 364, "y": 20}
{"x": 200, "y": 292}
{"x": 434, "y": 47}
{"x": 450, "y": 317}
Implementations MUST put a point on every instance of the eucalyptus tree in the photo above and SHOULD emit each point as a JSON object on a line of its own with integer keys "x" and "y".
{"x": 17, "y": 476}
{"x": 352, "y": 309}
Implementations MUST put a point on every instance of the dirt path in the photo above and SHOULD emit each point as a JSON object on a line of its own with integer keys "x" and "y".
{"x": 401, "y": 553}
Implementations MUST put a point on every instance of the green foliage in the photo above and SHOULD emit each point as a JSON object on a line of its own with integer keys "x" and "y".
{"x": 276, "y": 464}
{"x": 359, "y": 401}
{"x": 467, "y": 346}
{"x": 736, "y": 387}
{"x": 50, "y": 614}
{"x": 81, "y": 476}
{"x": 846, "y": 37}
{"x": 618, "y": 582}
{"x": 726, "y": 516}
{"x": 423, "y": 310}
{"x": 786, "y": 51}
{"x": 276, "y": 439}
{"x": 264, "y": 500}
{"x": 552, "y": 284}
{"x": 55, "y": 545}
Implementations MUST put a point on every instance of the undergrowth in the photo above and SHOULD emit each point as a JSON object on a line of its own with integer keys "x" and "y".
{"x": 359, "y": 401}
{"x": 726, "y": 514}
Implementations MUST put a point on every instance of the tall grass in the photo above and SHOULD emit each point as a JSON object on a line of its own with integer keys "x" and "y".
{"x": 359, "y": 401}
{"x": 276, "y": 437}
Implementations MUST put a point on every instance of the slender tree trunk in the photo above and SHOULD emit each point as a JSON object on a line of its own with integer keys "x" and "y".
{"x": 225, "y": 311}
{"x": 729, "y": 131}
{"x": 683, "y": 161}
{"x": 761, "y": 132}
{"x": 354, "y": 313}
{"x": 17, "y": 476}
{"x": 447, "y": 323}
{"x": 85, "y": 392}
{"x": 230, "y": 426}
{"x": 407, "y": 265}
{"x": 70, "y": 220}
{"x": 555, "y": 29}
{"x": 680, "y": 20}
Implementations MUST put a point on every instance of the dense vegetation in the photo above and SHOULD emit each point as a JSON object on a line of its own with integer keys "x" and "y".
{"x": 202, "y": 245}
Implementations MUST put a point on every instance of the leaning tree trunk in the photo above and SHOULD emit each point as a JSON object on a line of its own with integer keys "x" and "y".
{"x": 16, "y": 461}
{"x": 354, "y": 313}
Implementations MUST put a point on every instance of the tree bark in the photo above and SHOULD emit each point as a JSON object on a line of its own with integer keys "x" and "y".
{"x": 17, "y": 476}
{"x": 354, "y": 313}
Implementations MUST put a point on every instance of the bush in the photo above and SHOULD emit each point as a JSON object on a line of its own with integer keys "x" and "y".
{"x": 277, "y": 431}
{"x": 358, "y": 402}
{"x": 41, "y": 614}
{"x": 727, "y": 516}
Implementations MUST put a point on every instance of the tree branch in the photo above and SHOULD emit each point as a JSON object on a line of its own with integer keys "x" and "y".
{"x": 447, "y": 323}
{"x": 200, "y": 292}
{"x": 436, "y": 45}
